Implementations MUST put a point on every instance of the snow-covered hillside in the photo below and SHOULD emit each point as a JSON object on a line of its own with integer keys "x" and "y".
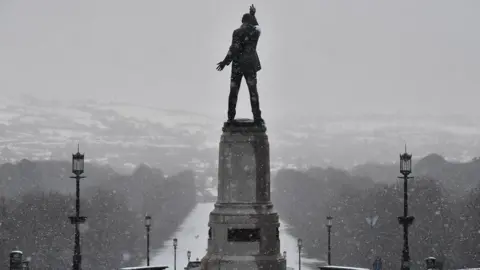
{"x": 125, "y": 135}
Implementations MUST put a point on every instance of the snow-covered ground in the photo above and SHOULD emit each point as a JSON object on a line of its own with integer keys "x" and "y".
{"x": 193, "y": 235}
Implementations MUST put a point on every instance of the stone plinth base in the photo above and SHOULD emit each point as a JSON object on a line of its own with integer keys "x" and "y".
{"x": 244, "y": 232}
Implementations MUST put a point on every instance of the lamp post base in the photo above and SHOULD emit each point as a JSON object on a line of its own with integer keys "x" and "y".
{"x": 77, "y": 261}
{"x": 405, "y": 266}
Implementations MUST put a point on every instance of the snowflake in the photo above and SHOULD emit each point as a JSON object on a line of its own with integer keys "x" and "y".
{"x": 126, "y": 256}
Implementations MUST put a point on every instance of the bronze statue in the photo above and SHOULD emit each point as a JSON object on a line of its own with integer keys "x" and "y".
{"x": 245, "y": 63}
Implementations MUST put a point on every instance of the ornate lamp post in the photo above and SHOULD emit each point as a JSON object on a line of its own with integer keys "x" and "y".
{"x": 148, "y": 223}
{"x": 26, "y": 264}
{"x": 329, "y": 230}
{"x": 431, "y": 263}
{"x": 189, "y": 254}
{"x": 175, "y": 243}
{"x": 405, "y": 220}
{"x": 299, "y": 245}
{"x": 16, "y": 259}
{"x": 77, "y": 170}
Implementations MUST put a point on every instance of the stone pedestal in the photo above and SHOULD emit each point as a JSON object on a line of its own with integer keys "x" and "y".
{"x": 243, "y": 227}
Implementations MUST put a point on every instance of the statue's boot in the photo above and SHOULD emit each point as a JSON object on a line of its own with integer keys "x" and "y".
{"x": 231, "y": 119}
{"x": 254, "y": 102}
{"x": 257, "y": 114}
{"x": 259, "y": 122}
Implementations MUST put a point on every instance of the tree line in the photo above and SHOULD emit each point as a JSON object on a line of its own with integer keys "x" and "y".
{"x": 36, "y": 221}
{"x": 447, "y": 226}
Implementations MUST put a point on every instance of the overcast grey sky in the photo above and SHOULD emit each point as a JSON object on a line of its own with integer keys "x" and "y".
{"x": 317, "y": 56}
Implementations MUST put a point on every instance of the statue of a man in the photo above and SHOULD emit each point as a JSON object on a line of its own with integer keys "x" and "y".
{"x": 245, "y": 63}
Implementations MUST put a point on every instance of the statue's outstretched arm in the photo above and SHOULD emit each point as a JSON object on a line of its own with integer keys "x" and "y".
{"x": 253, "y": 10}
{"x": 254, "y": 20}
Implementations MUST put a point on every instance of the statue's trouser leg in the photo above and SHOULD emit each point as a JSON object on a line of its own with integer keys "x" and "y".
{"x": 235, "y": 80}
{"x": 251, "y": 79}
